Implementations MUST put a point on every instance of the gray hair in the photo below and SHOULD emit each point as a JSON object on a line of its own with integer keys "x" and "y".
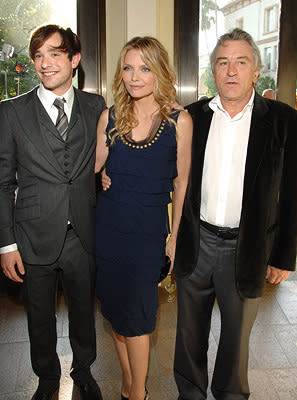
{"x": 237, "y": 34}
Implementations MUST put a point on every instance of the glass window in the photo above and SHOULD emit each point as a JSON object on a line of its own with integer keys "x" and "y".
{"x": 239, "y": 23}
{"x": 271, "y": 20}
{"x": 18, "y": 19}
{"x": 275, "y": 57}
{"x": 259, "y": 18}
{"x": 267, "y": 58}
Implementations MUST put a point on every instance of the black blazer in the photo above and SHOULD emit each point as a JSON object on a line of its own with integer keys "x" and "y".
{"x": 37, "y": 222}
{"x": 268, "y": 223}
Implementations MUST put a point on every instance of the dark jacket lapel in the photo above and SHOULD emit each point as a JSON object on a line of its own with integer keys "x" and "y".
{"x": 28, "y": 114}
{"x": 258, "y": 139}
{"x": 88, "y": 116}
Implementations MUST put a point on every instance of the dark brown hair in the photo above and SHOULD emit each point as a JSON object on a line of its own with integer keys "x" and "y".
{"x": 70, "y": 42}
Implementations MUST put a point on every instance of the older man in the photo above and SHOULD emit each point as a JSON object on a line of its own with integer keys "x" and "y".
{"x": 269, "y": 94}
{"x": 239, "y": 223}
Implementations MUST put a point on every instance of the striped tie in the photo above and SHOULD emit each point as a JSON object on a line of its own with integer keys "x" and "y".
{"x": 62, "y": 121}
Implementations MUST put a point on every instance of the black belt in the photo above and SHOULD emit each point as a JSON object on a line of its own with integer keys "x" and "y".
{"x": 69, "y": 227}
{"x": 220, "y": 231}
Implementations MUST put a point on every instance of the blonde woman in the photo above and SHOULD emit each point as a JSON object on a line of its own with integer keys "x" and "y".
{"x": 145, "y": 147}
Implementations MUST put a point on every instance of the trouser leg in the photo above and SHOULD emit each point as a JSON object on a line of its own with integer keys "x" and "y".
{"x": 230, "y": 381}
{"x": 78, "y": 279}
{"x": 39, "y": 291}
{"x": 195, "y": 303}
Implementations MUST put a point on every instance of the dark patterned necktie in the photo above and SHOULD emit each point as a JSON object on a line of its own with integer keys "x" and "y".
{"x": 62, "y": 121}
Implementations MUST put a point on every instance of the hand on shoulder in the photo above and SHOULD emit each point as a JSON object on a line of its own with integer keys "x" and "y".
{"x": 185, "y": 123}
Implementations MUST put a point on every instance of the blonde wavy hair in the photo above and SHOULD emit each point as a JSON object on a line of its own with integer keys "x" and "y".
{"x": 156, "y": 59}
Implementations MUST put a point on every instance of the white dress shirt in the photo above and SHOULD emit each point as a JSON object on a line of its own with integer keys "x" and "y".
{"x": 224, "y": 165}
{"x": 47, "y": 98}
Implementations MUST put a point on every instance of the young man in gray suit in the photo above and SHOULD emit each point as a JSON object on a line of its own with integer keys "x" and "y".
{"x": 239, "y": 222}
{"x": 47, "y": 148}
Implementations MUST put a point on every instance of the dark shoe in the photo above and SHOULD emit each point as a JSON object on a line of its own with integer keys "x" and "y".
{"x": 124, "y": 398}
{"x": 90, "y": 391}
{"x": 39, "y": 395}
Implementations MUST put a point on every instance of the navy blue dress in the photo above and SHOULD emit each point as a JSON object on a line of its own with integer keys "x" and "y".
{"x": 131, "y": 229}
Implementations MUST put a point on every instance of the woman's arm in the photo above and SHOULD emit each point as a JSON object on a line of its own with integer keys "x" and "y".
{"x": 184, "y": 143}
{"x": 101, "y": 147}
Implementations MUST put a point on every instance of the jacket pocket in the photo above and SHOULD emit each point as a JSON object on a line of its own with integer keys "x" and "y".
{"x": 27, "y": 213}
{"x": 28, "y": 201}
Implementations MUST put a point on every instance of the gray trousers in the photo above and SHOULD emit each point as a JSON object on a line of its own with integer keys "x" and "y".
{"x": 213, "y": 277}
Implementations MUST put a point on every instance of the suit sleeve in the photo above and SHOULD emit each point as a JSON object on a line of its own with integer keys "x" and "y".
{"x": 283, "y": 255}
{"x": 8, "y": 181}
{"x": 102, "y": 106}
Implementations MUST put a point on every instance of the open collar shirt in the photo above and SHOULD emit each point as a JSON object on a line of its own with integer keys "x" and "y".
{"x": 224, "y": 165}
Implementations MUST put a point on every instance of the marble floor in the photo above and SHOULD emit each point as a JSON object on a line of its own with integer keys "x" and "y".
{"x": 273, "y": 350}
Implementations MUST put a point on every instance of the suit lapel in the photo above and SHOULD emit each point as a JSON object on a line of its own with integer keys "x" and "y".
{"x": 258, "y": 139}
{"x": 29, "y": 118}
{"x": 87, "y": 129}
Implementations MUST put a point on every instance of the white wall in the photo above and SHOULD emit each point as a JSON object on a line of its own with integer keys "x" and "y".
{"x": 141, "y": 18}
{"x": 128, "y": 18}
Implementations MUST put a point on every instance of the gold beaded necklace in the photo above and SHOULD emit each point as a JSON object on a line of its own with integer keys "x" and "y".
{"x": 149, "y": 143}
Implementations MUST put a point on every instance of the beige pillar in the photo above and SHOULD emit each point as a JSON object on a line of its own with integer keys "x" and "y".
{"x": 128, "y": 18}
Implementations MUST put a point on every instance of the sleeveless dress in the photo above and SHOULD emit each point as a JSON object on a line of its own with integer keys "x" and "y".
{"x": 132, "y": 227}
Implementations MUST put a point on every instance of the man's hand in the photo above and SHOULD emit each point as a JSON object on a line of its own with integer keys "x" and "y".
{"x": 275, "y": 275}
{"x": 105, "y": 180}
{"x": 10, "y": 262}
{"x": 176, "y": 106}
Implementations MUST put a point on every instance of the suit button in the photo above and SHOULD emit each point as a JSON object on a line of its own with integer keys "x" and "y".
{"x": 70, "y": 182}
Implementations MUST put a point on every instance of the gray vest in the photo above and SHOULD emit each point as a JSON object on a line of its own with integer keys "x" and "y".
{"x": 66, "y": 152}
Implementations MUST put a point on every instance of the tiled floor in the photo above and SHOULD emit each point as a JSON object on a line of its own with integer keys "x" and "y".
{"x": 273, "y": 350}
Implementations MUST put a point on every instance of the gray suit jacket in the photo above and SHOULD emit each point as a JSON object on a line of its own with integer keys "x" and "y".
{"x": 37, "y": 221}
{"x": 268, "y": 224}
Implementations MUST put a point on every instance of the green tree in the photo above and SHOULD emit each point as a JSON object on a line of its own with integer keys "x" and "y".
{"x": 207, "y": 6}
{"x": 265, "y": 82}
{"x": 209, "y": 10}
{"x": 18, "y": 18}
{"x": 209, "y": 82}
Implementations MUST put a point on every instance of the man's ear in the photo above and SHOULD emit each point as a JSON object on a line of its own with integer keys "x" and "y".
{"x": 256, "y": 75}
{"x": 75, "y": 60}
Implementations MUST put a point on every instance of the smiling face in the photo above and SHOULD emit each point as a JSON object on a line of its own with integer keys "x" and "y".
{"x": 137, "y": 77}
{"x": 53, "y": 67}
{"x": 234, "y": 72}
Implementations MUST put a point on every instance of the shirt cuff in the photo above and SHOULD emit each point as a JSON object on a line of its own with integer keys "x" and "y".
{"x": 9, "y": 248}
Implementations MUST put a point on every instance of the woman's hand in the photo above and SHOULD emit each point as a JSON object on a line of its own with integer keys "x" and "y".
{"x": 170, "y": 250}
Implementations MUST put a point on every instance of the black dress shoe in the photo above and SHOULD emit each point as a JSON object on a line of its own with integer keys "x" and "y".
{"x": 39, "y": 395}
{"x": 90, "y": 391}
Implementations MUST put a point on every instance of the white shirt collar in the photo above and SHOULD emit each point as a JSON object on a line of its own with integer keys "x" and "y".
{"x": 215, "y": 104}
{"x": 47, "y": 97}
